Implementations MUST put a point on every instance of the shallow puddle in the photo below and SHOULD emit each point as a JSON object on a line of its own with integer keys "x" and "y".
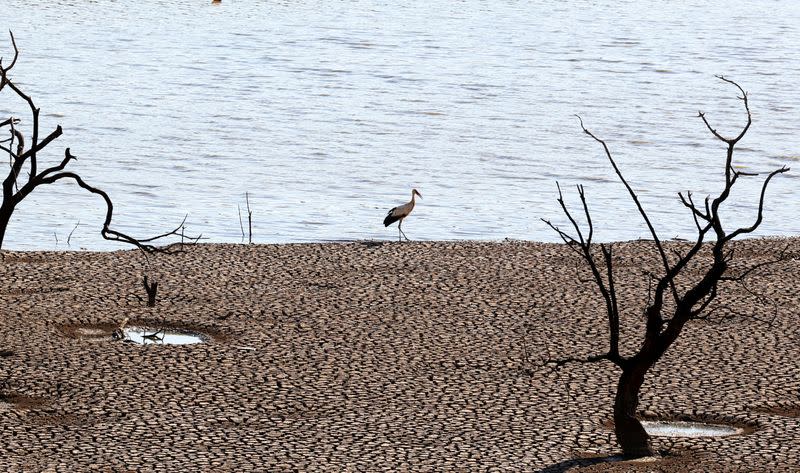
{"x": 688, "y": 429}
{"x": 148, "y": 336}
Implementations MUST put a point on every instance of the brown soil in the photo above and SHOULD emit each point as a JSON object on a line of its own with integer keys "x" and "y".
{"x": 21, "y": 401}
{"x": 366, "y": 357}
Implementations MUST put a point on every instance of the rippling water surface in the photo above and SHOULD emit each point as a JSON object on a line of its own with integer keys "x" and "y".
{"x": 329, "y": 112}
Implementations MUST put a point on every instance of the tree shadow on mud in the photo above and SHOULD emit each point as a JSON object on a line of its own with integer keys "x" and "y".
{"x": 568, "y": 465}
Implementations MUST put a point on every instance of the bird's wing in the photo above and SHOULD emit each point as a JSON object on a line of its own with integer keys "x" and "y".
{"x": 390, "y": 218}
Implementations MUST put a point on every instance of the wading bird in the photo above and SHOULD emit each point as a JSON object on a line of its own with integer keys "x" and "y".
{"x": 399, "y": 213}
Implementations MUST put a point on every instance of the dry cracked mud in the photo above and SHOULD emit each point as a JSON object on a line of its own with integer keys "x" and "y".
{"x": 370, "y": 356}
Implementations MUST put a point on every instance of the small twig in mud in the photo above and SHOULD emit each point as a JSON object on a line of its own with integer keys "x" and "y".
{"x": 154, "y": 336}
{"x": 152, "y": 289}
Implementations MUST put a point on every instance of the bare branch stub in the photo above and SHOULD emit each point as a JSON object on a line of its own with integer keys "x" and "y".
{"x": 693, "y": 301}
{"x": 152, "y": 290}
{"x": 14, "y": 189}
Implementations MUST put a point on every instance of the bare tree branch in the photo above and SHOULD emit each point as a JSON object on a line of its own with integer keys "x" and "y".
{"x": 4, "y": 70}
{"x": 760, "y": 216}
{"x": 14, "y": 191}
{"x": 635, "y": 198}
{"x": 107, "y": 232}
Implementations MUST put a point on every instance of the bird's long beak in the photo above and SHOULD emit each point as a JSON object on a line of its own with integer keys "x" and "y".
{"x": 417, "y": 192}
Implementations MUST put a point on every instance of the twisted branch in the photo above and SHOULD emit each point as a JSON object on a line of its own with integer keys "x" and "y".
{"x": 14, "y": 191}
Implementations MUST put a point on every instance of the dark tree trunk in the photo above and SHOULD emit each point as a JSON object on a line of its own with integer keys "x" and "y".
{"x": 5, "y": 217}
{"x": 629, "y": 431}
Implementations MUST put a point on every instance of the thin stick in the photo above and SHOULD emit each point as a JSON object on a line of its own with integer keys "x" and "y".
{"x": 241, "y": 225}
{"x": 69, "y": 237}
{"x": 249, "y": 218}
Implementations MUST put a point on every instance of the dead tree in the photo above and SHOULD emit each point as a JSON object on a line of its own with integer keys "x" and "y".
{"x": 671, "y": 305}
{"x": 25, "y": 176}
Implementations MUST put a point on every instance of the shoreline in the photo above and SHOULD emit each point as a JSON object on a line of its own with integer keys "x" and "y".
{"x": 370, "y": 355}
{"x": 377, "y": 242}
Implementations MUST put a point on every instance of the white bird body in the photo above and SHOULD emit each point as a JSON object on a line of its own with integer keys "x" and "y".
{"x": 400, "y": 212}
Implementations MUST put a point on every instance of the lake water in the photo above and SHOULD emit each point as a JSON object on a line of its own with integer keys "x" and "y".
{"x": 328, "y": 112}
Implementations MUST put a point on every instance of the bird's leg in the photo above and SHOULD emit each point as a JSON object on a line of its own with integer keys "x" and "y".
{"x": 399, "y": 230}
{"x": 399, "y": 227}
